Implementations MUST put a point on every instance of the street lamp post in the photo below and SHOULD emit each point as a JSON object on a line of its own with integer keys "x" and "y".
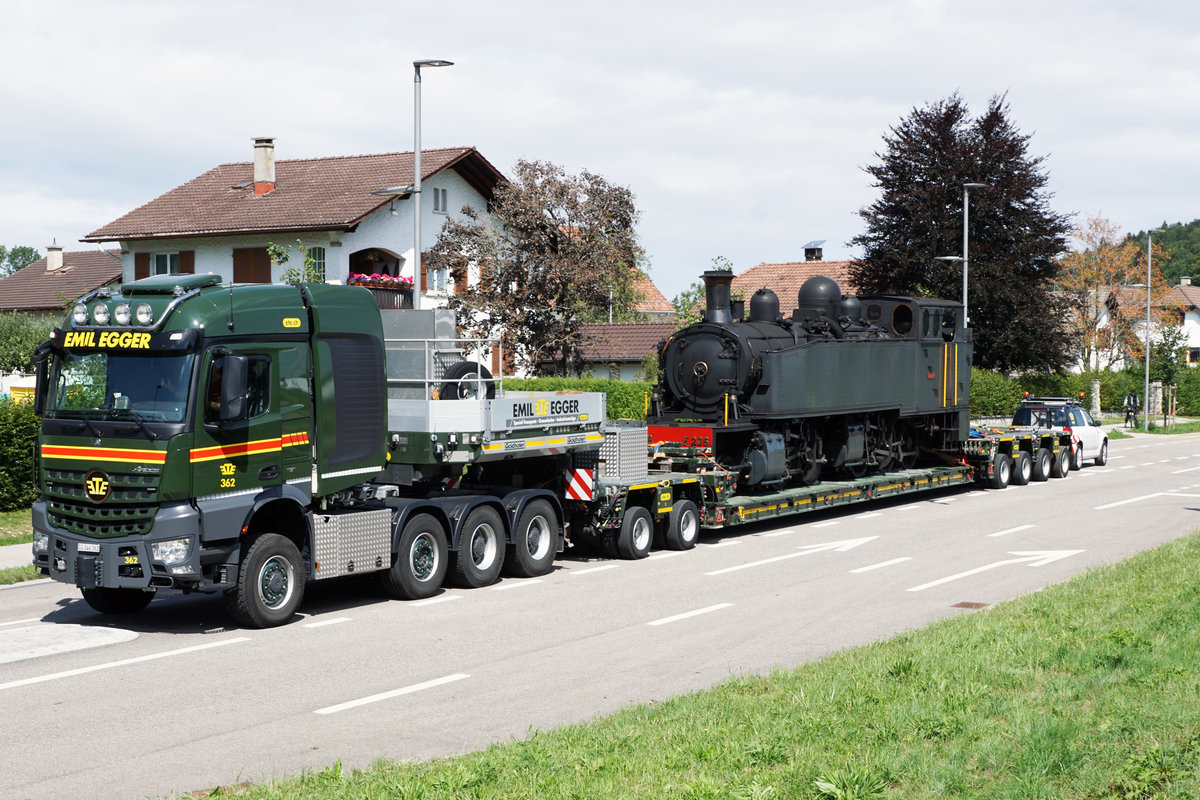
{"x": 1146, "y": 386}
{"x": 425, "y": 62}
{"x": 966, "y": 259}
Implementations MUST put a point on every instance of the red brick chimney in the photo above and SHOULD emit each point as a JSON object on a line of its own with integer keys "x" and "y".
{"x": 264, "y": 165}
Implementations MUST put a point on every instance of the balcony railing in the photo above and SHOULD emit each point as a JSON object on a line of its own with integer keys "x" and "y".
{"x": 392, "y": 298}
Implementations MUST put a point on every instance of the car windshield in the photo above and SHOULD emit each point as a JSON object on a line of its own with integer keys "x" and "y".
{"x": 1041, "y": 417}
{"x": 111, "y": 386}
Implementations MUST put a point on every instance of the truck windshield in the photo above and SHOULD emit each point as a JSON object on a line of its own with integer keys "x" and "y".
{"x": 105, "y": 385}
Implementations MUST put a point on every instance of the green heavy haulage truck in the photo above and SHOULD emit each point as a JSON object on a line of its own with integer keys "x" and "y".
{"x": 246, "y": 439}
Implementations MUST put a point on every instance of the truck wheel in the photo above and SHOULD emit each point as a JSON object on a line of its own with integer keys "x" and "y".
{"x": 270, "y": 582}
{"x": 1022, "y": 469}
{"x": 117, "y": 601}
{"x": 420, "y": 562}
{"x": 637, "y": 532}
{"x": 1102, "y": 457}
{"x": 1001, "y": 471}
{"x": 1041, "y": 464}
{"x": 470, "y": 374}
{"x": 1061, "y": 467}
{"x": 480, "y": 551}
{"x": 683, "y": 526}
{"x": 534, "y": 541}
{"x": 1076, "y": 458}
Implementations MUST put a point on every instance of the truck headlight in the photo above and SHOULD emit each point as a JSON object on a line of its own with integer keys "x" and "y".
{"x": 100, "y": 314}
{"x": 41, "y": 542}
{"x": 122, "y": 314}
{"x": 171, "y": 551}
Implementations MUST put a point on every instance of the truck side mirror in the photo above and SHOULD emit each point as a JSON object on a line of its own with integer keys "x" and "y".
{"x": 234, "y": 371}
{"x": 40, "y": 388}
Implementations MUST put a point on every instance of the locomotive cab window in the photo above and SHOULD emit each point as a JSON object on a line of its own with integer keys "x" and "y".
{"x": 875, "y": 313}
{"x": 949, "y": 324}
{"x": 902, "y": 320}
{"x": 931, "y": 323}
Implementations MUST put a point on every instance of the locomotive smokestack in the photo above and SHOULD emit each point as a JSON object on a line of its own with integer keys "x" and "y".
{"x": 716, "y": 295}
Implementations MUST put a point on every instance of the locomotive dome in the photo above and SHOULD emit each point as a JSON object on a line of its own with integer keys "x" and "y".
{"x": 820, "y": 293}
{"x": 764, "y": 306}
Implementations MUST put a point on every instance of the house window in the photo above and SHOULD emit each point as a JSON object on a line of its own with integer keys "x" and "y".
{"x": 438, "y": 278}
{"x": 440, "y": 203}
{"x": 165, "y": 263}
{"x": 1194, "y": 355}
{"x": 317, "y": 254}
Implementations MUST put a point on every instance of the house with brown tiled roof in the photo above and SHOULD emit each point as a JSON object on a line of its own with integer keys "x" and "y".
{"x": 651, "y": 302}
{"x": 222, "y": 221}
{"x": 50, "y": 284}
{"x": 618, "y": 350}
{"x": 786, "y": 278}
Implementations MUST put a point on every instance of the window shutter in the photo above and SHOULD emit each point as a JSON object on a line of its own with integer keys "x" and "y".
{"x": 187, "y": 262}
{"x": 251, "y": 265}
{"x": 424, "y": 279}
{"x": 141, "y": 266}
{"x": 496, "y": 358}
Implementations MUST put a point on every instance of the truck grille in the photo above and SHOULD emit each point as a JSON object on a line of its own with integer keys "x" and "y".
{"x": 128, "y": 510}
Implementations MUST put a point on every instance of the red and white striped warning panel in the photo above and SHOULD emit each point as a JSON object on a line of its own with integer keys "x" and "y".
{"x": 580, "y": 485}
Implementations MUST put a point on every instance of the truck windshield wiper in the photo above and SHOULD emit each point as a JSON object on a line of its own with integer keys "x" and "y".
{"x": 138, "y": 418}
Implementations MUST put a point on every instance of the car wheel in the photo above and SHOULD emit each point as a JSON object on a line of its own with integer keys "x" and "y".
{"x": 1102, "y": 457}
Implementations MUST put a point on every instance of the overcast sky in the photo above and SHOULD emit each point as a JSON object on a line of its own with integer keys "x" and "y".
{"x": 742, "y": 128}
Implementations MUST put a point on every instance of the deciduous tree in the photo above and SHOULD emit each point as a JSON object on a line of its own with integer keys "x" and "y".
{"x": 17, "y": 258}
{"x": 550, "y": 253}
{"x": 1015, "y": 238}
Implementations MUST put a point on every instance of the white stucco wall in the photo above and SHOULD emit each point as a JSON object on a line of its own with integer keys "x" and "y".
{"x": 383, "y": 229}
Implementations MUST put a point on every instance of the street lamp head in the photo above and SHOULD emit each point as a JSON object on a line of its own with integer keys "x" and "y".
{"x": 394, "y": 190}
{"x": 947, "y": 258}
{"x": 975, "y": 185}
{"x": 432, "y": 62}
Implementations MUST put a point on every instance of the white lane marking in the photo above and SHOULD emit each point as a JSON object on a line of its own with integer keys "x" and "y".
{"x": 21, "y": 621}
{"x": 1181, "y": 471}
{"x": 1035, "y": 558}
{"x": 664, "y": 554}
{"x": 883, "y": 564}
{"x": 1114, "y": 458}
{"x": 805, "y": 550}
{"x": 868, "y": 516}
{"x": 321, "y": 623}
{"x": 39, "y": 639}
{"x": 725, "y": 543}
{"x": 784, "y": 532}
{"x": 441, "y": 598}
{"x": 1181, "y": 458}
{"x": 907, "y": 508}
{"x": 124, "y": 662}
{"x": 826, "y": 524}
{"x": 1131, "y": 466}
{"x": 687, "y": 614}
{"x": 946, "y": 500}
{"x": 590, "y": 570}
{"x": 1007, "y": 531}
{"x": 375, "y": 698}
{"x": 1148, "y": 464}
{"x": 1165, "y": 461}
{"x": 504, "y": 587}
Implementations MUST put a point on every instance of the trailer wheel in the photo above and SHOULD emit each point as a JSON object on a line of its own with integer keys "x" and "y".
{"x": 1001, "y": 471}
{"x": 270, "y": 582}
{"x": 1041, "y": 464}
{"x": 1102, "y": 457}
{"x": 117, "y": 601}
{"x": 419, "y": 565}
{"x": 481, "y": 549}
{"x": 1061, "y": 467}
{"x": 534, "y": 546}
{"x": 637, "y": 533}
{"x": 1022, "y": 469}
{"x": 683, "y": 526}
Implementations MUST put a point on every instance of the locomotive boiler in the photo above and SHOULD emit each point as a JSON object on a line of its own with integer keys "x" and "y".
{"x": 840, "y": 387}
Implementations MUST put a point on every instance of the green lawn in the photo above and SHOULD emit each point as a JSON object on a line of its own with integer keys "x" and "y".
{"x": 18, "y": 574}
{"x": 1089, "y": 689}
{"x": 16, "y": 527}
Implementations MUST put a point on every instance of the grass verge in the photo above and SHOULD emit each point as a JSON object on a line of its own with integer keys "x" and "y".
{"x": 16, "y": 527}
{"x": 18, "y": 575}
{"x": 1088, "y": 689}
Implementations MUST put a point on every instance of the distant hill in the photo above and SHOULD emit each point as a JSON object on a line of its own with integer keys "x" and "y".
{"x": 1182, "y": 241}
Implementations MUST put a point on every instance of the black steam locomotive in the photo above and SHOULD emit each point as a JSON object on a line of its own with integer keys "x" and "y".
{"x": 843, "y": 386}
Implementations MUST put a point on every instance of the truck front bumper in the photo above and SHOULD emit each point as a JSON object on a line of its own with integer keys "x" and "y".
{"x": 128, "y": 562}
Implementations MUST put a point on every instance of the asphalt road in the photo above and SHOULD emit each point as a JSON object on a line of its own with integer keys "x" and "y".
{"x": 173, "y": 700}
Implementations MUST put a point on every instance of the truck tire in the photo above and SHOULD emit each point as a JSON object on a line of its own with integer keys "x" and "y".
{"x": 1022, "y": 469}
{"x": 683, "y": 526}
{"x": 270, "y": 582}
{"x": 420, "y": 562}
{"x": 1102, "y": 457}
{"x": 117, "y": 601}
{"x": 1001, "y": 471}
{"x": 480, "y": 550}
{"x": 467, "y": 389}
{"x": 1061, "y": 467}
{"x": 534, "y": 542}
{"x": 1041, "y": 464}
{"x": 637, "y": 534}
